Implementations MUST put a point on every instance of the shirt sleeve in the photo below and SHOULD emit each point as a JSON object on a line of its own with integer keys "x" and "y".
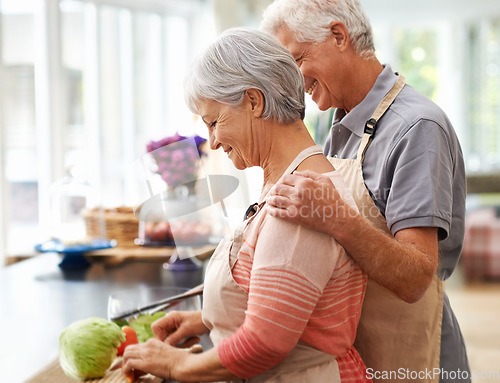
{"x": 421, "y": 195}
{"x": 285, "y": 285}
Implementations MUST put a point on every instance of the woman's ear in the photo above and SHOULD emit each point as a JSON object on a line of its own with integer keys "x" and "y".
{"x": 340, "y": 34}
{"x": 256, "y": 99}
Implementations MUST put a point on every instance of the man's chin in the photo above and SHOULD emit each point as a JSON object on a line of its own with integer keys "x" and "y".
{"x": 323, "y": 106}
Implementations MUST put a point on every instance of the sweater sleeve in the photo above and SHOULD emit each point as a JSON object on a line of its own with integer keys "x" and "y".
{"x": 291, "y": 267}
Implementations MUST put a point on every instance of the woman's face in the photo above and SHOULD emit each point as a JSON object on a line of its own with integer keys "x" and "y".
{"x": 317, "y": 64}
{"x": 231, "y": 128}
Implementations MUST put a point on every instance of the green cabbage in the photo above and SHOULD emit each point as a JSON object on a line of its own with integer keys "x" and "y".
{"x": 88, "y": 347}
{"x": 142, "y": 325}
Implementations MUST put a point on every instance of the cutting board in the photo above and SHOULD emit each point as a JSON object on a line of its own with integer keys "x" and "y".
{"x": 54, "y": 374}
{"x": 118, "y": 255}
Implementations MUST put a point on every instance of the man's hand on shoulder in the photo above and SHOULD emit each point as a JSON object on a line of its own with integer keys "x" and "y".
{"x": 405, "y": 264}
{"x": 309, "y": 199}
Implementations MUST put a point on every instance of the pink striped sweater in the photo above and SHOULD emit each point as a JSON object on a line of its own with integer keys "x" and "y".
{"x": 302, "y": 286}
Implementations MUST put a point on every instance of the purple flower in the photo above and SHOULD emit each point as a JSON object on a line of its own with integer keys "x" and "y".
{"x": 176, "y": 166}
{"x": 154, "y": 145}
{"x": 178, "y": 156}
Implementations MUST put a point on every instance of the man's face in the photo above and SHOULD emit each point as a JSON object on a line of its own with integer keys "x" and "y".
{"x": 317, "y": 64}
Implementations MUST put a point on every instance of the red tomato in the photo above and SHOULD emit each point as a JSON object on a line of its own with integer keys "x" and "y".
{"x": 130, "y": 338}
{"x": 130, "y": 377}
{"x": 133, "y": 375}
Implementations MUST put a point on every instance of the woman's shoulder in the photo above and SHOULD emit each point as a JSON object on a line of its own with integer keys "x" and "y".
{"x": 317, "y": 163}
{"x": 342, "y": 188}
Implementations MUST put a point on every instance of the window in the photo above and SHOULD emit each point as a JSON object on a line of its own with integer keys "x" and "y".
{"x": 483, "y": 96}
{"x": 457, "y": 66}
{"x": 93, "y": 83}
{"x": 19, "y": 186}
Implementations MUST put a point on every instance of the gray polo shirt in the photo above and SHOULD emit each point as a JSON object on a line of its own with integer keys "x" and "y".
{"x": 414, "y": 171}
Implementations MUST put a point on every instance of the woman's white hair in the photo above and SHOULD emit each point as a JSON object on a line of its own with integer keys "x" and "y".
{"x": 242, "y": 59}
{"x": 309, "y": 21}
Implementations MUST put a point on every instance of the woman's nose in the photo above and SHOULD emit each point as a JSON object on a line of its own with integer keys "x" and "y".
{"x": 213, "y": 142}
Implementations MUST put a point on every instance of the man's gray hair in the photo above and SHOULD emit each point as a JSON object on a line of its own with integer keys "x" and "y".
{"x": 244, "y": 59}
{"x": 309, "y": 21}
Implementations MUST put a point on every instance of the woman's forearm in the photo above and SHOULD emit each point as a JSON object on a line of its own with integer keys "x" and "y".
{"x": 204, "y": 367}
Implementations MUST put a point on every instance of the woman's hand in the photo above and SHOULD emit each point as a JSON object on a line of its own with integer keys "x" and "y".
{"x": 165, "y": 361}
{"x": 179, "y": 328}
{"x": 154, "y": 357}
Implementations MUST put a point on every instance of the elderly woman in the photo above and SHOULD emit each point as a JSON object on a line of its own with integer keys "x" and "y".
{"x": 281, "y": 302}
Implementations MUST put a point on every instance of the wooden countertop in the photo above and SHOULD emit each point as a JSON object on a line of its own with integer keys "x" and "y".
{"x": 54, "y": 374}
{"x": 138, "y": 253}
{"x": 38, "y": 300}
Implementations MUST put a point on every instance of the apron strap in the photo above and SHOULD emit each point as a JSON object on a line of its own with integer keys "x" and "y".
{"x": 303, "y": 155}
{"x": 371, "y": 124}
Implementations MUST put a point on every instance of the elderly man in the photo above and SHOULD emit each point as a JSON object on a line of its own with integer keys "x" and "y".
{"x": 400, "y": 156}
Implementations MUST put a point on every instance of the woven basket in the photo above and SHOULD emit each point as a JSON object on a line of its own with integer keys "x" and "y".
{"x": 120, "y": 223}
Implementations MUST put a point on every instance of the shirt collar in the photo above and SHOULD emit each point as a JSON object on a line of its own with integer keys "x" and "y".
{"x": 356, "y": 119}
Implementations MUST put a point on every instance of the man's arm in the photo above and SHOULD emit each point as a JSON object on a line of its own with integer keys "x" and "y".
{"x": 404, "y": 264}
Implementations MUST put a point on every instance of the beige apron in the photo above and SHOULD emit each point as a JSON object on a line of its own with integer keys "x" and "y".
{"x": 225, "y": 303}
{"x": 392, "y": 334}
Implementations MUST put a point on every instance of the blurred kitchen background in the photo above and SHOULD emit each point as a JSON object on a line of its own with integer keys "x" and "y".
{"x": 85, "y": 85}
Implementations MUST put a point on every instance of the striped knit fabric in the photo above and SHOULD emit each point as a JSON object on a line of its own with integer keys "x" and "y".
{"x": 302, "y": 286}
{"x": 352, "y": 369}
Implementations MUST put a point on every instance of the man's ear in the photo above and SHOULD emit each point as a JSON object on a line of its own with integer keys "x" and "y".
{"x": 340, "y": 34}
{"x": 256, "y": 99}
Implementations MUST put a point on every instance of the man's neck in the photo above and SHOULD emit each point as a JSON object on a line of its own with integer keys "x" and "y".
{"x": 361, "y": 80}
